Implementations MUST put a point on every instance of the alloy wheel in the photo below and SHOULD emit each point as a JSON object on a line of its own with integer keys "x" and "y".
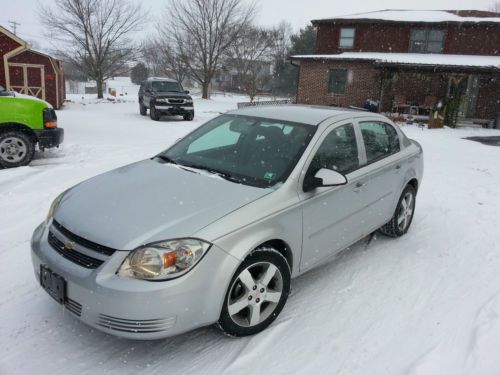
{"x": 255, "y": 294}
{"x": 405, "y": 211}
{"x": 13, "y": 149}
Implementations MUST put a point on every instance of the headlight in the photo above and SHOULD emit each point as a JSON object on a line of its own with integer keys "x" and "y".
{"x": 163, "y": 260}
{"x": 161, "y": 100}
{"x": 188, "y": 101}
{"x": 53, "y": 207}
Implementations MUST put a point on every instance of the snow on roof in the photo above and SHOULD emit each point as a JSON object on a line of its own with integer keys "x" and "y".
{"x": 431, "y": 59}
{"x": 402, "y": 15}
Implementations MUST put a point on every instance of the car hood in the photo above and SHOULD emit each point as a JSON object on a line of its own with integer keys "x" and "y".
{"x": 149, "y": 201}
{"x": 29, "y": 97}
{"x": 172, "y": 95}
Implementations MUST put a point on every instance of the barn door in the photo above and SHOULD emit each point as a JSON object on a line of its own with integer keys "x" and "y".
{"x": 28, "y": 79}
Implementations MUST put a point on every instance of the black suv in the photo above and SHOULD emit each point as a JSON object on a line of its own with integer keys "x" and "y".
{"x": 164, "y": 96}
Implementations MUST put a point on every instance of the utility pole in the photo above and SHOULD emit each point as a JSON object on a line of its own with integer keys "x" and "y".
{"x": 13, "y": 25}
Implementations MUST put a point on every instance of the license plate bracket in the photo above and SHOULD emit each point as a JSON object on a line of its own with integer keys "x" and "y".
{"x": 53, "y": 283}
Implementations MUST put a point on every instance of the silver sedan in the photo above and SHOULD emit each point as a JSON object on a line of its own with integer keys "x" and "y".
{"x": 213, "y": 229}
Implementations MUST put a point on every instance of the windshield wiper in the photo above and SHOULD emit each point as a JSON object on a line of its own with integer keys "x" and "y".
{"x": 166, "y": 159}
{"x": 224, "y": 175}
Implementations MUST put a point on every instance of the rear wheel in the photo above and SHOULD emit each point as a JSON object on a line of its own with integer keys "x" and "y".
{"x": 16, "y": 149}
{"x": 153, "y": 113}
{"x": 257, "y": 293}
{"x": 403, "y": 215}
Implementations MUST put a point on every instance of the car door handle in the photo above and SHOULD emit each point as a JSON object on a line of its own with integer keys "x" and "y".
{"x": 359, "y": 186}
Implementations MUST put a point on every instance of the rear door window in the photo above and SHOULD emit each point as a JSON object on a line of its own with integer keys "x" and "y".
{"x": 380, "y": 139}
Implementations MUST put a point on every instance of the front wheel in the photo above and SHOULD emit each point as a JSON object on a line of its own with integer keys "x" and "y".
{"x": 16, "y": 149}
{"x": 403, "y": 215}
{"x": 143, "y": 110}
{"x": 153, "y": 113}
{"x": 189, "y": 116}
{"x": 257, "y": 293}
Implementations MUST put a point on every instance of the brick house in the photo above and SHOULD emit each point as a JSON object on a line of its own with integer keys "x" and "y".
{"x": 407, "y": 61}
{"x": 30, "y": 72}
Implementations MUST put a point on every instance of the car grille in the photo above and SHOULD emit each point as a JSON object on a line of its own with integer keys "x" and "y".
{"x": 176, "y": 101}
{"x": 135, "y": 326}
{"x": 72, "y": 254}
{"x": 82, "y": 241}
{"x": 77, "y": 249}
{"x": 73, "y": 306}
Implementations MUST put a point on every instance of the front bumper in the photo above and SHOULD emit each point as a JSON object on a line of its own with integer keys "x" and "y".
{"x": 133, "y": 308}
{"x": 49, "y": 138}
{"x": 174, "y": 109}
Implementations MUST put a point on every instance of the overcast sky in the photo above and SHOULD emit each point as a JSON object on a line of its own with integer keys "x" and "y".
{"x": 297, "y": 12}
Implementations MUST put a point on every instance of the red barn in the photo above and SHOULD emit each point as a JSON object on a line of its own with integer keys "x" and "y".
{"x": 30, "y": 72}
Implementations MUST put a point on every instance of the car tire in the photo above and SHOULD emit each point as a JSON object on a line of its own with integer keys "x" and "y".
{"x": 16, "y": 149}
{"x": 143, "y": 110}
{"x": 403, "y": 216}
{"x": 256, "y": 294}
{"x": 189, "y": 116}
{"x": 153, "y": 113}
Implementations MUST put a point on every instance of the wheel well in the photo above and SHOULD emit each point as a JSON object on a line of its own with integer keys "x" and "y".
{"x": 14, "y": 126}
{"x": 282, "y": 247}
{"x": 414, "y": 183}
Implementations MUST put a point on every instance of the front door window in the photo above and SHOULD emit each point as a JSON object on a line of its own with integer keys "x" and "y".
{"x": 339, "y": 152}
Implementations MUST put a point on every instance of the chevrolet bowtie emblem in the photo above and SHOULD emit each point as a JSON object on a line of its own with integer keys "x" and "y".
{"x": 69, "y": 245}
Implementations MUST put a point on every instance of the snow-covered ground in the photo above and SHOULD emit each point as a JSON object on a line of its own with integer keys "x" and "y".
{"x": 427, "y": 303}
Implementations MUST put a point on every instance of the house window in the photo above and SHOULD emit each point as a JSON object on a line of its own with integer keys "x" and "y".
{"x": 337, "y": 82}
{"x": 427, "y": 41}
{"x": 346, "y": 37}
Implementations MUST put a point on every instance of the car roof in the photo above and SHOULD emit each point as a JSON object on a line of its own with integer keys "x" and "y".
{"x": 305, "y": 114}
{"x": 161, "y": 79}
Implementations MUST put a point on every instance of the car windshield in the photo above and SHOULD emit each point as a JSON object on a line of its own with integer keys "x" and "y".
{"x": 248, "y": 150}
{"x": 166, "y": 86}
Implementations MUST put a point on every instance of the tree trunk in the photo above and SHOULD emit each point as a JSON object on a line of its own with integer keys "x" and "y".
{"x": 251, "y": 93}
{"x": 99, "y": 83}
{"x": 204, "y": 92}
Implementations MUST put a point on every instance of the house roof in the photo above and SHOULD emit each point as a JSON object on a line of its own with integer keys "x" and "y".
{"x": 420, "y": 59}
{"x": 418, "y": 16}
{"x": 12, "y": 36}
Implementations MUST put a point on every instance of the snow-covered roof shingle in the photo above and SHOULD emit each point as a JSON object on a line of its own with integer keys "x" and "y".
{"x": 429, "y": 59}
{"x": 425, "y": 16}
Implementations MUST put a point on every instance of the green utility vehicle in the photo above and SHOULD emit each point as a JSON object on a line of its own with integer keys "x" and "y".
{"x": 25, "y": 121}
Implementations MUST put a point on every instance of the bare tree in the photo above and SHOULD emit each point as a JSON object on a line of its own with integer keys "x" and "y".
{"x": 250, "y": 55}
{"x": 164, "y": 60}
{"x": 201, "y": 30}
{"x": 282, "y": 34}
{"x": 94, "y": 34}
{"x": 495, "y": 7}
{"x": 152, "y": 56}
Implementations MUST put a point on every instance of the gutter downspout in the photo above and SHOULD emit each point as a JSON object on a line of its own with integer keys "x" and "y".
{"x": 298, "y": 79}
{"x": 7, "y": 56}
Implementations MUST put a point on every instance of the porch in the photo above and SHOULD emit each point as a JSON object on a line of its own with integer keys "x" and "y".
{"x": 468, "y": 98}
{"x": 403, "y": 84}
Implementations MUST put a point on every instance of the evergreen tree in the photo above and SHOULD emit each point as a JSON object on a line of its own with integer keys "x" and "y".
{"x": 285, "y": 74}
{"x": 138, "y": 73}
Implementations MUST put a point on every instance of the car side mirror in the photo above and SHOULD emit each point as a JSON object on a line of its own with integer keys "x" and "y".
{"x": 323, "y": 178}
{"x": 186, "y": 91}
